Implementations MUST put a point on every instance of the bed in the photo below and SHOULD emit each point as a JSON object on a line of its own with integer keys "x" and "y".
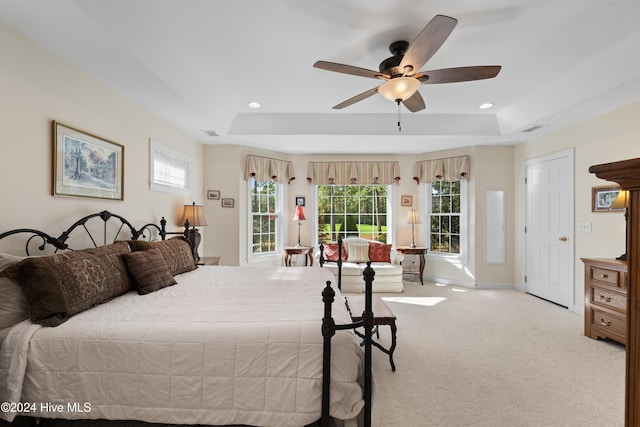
{"x": 219, "y": 346}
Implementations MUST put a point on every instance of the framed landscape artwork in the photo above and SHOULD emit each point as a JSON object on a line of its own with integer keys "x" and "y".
{"x": 86, "y": 165}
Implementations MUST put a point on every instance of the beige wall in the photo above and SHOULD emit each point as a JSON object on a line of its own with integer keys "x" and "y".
{"x": 37, "y": 88}
{"x": 608, "y": 138}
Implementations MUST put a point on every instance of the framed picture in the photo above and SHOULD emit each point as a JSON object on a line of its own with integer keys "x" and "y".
{"x": 603, "y": 197}
{"x": 299, "y": 200}
{"x": 86, "y": 165}
{"x": 227, "y": 203}
{"x": 213, "y": 194}
{"x": 406, "y": 201}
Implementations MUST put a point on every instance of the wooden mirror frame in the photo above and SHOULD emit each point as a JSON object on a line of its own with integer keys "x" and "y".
{"x": 627, "y": 174}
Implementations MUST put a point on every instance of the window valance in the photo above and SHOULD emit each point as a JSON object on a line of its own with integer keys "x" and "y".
{"x": 344, "y": 173}
{"x": 266, "y": 168}
{"x": 448, "y": 169}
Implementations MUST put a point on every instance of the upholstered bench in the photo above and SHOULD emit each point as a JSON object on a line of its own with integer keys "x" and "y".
{"x": 382, "y": 315}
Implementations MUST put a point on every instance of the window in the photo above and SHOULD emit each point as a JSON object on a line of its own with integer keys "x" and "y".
{"x": 169, "y": 169}
{"x": 353, "y": 211}
{"x": 265, "y": 216}
{"x": 445, "y": 216}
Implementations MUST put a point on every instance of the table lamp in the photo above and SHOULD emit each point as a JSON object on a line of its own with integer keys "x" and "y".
{"x": 414, "y": 219}
{"x": 299, "y": 216}
{"x": 193, "y": 216}
{"x": 622, "y": 202}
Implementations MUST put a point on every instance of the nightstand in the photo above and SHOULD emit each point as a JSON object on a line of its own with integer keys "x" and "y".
{"x": 208, "y": 260}
{"x": 418, "y": 250}
{"x": 307, "y": 251}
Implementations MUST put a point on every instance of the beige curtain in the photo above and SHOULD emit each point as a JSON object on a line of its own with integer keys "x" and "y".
{"x": 344, "y": 173}
{"x": 265, "y": 168}
{"x": 447, "y": 169}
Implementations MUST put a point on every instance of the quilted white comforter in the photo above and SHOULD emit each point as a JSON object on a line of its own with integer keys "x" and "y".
{"x": 226, "y": 345}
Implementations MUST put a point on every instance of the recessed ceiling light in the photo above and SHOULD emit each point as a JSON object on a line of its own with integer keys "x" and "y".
{"x": 485, "y": 105}
{"x": 254, "y": 104}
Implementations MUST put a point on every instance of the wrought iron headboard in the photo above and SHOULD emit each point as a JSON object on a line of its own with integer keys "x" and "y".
{"x": 60, "y": 242}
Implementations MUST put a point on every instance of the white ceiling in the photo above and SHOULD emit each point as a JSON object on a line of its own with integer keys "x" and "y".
{"x": 197, "y": 63}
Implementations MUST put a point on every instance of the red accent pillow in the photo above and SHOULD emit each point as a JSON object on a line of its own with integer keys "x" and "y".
{"x": 331, "y": 252}
{"x": 379, "y": 252}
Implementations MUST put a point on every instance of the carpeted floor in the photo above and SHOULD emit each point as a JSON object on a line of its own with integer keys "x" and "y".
{"x": 469, "y": 357}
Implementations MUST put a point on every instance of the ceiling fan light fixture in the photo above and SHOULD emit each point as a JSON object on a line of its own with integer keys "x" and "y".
{"x": 399, "y": 88}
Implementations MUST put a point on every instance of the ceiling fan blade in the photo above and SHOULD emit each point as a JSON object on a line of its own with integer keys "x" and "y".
{"x": 414, "y": 103}
{"x": 427, "y": 43}
{"x": 357, "y": 98}
{"x": 458, "y": 74}
{"x": 349, "y": 69}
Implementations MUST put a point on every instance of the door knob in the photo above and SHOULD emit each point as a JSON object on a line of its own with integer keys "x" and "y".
{"x": 563, "y": 238}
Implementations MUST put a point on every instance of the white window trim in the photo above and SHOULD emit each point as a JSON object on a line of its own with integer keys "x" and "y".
{"x": 464, "y": 225}
{"x": 157, "y": 147}
{"x": 282, "y": 228}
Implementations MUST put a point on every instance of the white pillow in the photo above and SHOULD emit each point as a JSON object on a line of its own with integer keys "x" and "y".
{"x": 13, "y": 305}
{"x": 358, "y": 252}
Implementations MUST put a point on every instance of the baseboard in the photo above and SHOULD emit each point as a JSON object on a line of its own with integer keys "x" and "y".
{"x": 470, "y": 285}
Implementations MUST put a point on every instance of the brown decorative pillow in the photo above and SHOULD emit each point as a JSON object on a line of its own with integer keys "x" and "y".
{"x": 379, "y": 252}
{"x": 149, "y": 270}
{"x": 58, "y": 286}
{"x": 331, "y": 252}
{"x": 175, "y": 251}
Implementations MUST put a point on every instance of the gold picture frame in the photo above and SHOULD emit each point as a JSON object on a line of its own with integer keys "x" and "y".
{"x": 406, "y": 201}
{"x": 86, "y": 165}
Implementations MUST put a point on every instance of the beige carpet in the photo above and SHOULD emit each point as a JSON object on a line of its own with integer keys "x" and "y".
{"x": 469, "y": 357}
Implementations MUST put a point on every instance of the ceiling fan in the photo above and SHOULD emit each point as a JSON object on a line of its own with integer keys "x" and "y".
{"x": 401, "y": 71}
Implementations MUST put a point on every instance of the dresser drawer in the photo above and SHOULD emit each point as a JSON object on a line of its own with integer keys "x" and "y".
{"x": 611, "y": 277}
{"x": 607, "y": 323}
{"x": 610, "y": 299}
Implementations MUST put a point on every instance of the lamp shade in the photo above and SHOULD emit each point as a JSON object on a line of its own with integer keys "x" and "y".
{"x": 194, "y": 214}
{"x": 414, "y": 218}
{"x": 621, "y": 201}
{"x": 299, "y": 215}
{"x": 400, "y": 88}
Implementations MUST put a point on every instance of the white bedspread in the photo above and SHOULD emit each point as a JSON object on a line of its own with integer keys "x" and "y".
{"x": 226, "y": 345}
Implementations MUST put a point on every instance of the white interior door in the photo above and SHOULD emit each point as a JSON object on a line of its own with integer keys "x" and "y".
{"x": 549, "y": 228}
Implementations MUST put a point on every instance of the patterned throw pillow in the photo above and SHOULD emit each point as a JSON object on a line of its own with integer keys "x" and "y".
{"x": 176, "y": 252}
{"x": 379, "y": 252}
{"x": 149, "y": 270}
{"x": 357, "y": 252}
{"x": 58, "y": 286}
{"x": 331, "y": 252}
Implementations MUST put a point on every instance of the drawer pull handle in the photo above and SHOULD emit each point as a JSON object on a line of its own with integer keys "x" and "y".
{"x": 607, "y": 299}
{"x": 605, "y": 322}
{"x": 604, "y": 276}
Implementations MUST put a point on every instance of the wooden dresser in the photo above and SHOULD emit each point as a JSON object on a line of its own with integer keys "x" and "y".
{"x": 605, "y": 299}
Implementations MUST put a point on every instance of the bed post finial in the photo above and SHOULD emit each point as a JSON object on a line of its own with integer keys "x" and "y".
{"x": 367, "y": 316}
{"x": 328, "y": 331}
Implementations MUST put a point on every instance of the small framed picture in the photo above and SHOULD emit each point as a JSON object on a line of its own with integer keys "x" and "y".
{"x": 406, "y": 200}
{"x": 227, "y": 203}
{"x": 603, "y": 197}
{"x": 299, "y": 200}
{"x": 213, "y": 194}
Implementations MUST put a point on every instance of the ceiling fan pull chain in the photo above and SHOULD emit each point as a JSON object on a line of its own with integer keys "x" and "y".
{"x": 399, "y": 126}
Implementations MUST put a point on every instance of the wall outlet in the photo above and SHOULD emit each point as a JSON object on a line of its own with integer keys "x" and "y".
{"x": 584, "y": 227}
